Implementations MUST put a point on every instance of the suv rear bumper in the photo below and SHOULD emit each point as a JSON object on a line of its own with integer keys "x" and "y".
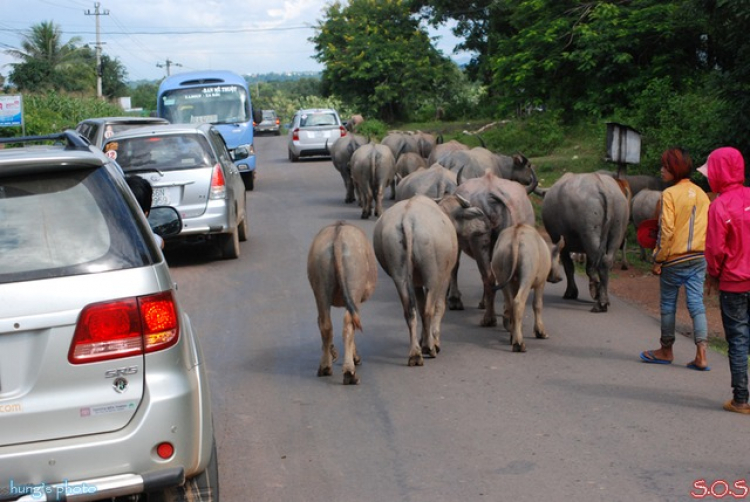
{"x": 98, "y": 488}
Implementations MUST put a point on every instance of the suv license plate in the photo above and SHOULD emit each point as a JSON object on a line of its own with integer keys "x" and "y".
{"x": 160, "y": 197}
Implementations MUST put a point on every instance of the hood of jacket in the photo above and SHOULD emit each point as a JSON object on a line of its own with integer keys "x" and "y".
{"x": 726, "y": 169}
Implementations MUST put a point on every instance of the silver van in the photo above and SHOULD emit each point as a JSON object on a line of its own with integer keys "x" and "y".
{"x": 190, "y": 169}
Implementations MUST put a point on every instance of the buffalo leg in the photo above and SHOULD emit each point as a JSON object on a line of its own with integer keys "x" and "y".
{"x": 350, "y": 373}
{"x": 410, "y": 315}
{"x": 518, "y": 307}
{"x": 602, "y": 297}
{"x": 488, "y": 297}
{"x": 571, "y": 291}
{"x": 539, "y": 330}
{"x": 426, "y": 302}
{"x": 454, "y": 295}
{"x": 326, "y": 335}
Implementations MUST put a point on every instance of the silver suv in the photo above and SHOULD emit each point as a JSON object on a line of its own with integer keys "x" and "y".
{"x": 100, "y": 129}
{"x": 313, "y": 131}
{"x": 103, "y": 390}
{"x": 190, "y": 169}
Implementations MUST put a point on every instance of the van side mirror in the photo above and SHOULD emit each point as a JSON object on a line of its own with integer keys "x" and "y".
{"x": 257, "y": 116}
{"x": 240, "y": 153}
{"x": 165, "y": 221}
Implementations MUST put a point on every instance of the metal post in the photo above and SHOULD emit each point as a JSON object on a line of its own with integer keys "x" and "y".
{"x": 98, "y": 46}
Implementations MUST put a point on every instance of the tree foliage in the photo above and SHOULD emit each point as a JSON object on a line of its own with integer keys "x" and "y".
{"x": 377, "y": 57}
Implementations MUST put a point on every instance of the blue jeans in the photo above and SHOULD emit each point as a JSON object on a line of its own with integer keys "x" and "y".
{"x": 735, "y": 316}
{"x": 692, "y": 275}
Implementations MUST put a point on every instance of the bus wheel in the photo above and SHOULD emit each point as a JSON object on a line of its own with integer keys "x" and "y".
{"x": 249, "y": 180}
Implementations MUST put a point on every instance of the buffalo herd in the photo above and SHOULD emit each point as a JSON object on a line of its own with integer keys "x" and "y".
{"x": 450, "y": 199}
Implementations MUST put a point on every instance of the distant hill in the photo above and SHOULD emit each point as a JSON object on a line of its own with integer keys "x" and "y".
{"x": 281, "y": 77}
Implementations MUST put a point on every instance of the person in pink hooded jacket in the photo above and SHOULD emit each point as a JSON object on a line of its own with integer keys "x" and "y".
{"x": 728, "y": 262}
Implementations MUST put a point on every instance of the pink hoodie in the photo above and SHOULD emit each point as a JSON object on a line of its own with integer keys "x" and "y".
{"x": 728, "y": 235}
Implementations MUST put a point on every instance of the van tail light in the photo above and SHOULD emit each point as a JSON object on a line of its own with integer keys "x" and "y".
{"x": 218, "y": 184}
{"x": 124, "y": 328}
{"x": 343, "y": 131}
{"x": 295, "y": 134}
{"x": 278, "y": 121}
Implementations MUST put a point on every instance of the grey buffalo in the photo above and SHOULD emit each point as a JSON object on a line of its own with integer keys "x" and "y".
{"x": 354, "y": 122}
{"x": 373, "y": 169}
{"x": 441, "y": 150}
{"x": 434, "y": 182}
{"x": 342, "y": 271}
{"x": 480, "y": 209}
{"x": 477, "y": 161}
{"x": 416, "y": 245}
{"x": 523, "y": 261}
{"x": 407, "y": 163}
{"x": 341, "y": 154}
{"x": 645, "y": 206}
{"x": 591, "y": 212}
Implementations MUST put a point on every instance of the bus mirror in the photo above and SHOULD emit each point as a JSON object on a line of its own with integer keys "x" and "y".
{"x": 257, "y": 116}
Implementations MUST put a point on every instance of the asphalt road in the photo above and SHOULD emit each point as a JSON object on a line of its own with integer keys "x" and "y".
{"x": 577, "y": 417}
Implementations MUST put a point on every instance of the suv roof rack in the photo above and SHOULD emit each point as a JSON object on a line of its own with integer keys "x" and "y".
{"x": 74, "y": 141}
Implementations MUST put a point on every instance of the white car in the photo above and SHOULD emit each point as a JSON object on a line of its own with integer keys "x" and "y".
{"x": 103, "y": 387}
{"x": 313, "y": 131}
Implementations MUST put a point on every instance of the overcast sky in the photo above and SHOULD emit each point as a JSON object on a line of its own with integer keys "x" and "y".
{"x": 245, "y": 36}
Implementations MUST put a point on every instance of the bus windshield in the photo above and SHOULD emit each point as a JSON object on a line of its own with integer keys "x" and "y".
{"x": 220, "y": 104}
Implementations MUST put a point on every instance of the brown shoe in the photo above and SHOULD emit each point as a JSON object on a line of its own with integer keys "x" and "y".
{"x": 743, "y": 408}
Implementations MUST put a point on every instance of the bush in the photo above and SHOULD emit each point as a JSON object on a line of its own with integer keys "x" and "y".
{"x": 373, "y": 129}
{"x": 535, "y": 136}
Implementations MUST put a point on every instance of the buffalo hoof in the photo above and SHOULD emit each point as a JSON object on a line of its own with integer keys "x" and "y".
{"x": 481, "y": 305}
{"x": 416, "y": 360}
{"x": 599, "y": 308}
{"x": 541, "y": 335}
{"x": 488, "y": 322}
{"x": 365, "y": 216}
{"x": 506, "y": 323}
{"x": 455, "y": 304}
{"x": 432, "y": 353}
{"x": 334, "y": 353}
{"x": 325, "y": 371}
{"x": 350, "y": 378}
{"x": 519, "y": 347}
{"x": 349, "y": 200}
{"x": 570, "y": 295}
{"x": 357, "y": 360}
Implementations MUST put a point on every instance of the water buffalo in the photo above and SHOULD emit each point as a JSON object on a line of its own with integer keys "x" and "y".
{"x": 341, "y": 153}
{"x": 416, "y": 245}
{"x": 477, "y": 161}
{"x": 437, "y": 156}
{"x": 407, "y": 163}
{"x": 342, "y": 271}
{"x": 645, "y": 206}
{"x": 373, "y": 169}
{"x": 354, "y": 122}
{"x": 591, "y": 212}
{"x": 523, "y": 260}
{"x": 434, "y": 182}
{"x": 480, "y": 209}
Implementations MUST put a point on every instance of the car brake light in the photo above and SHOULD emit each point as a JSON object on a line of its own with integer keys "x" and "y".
{"x": 278, "y": 121}
{"x": 343, "y": 131}
{"x": 295, "y": 134}
{"x": 218, "y": 184}
{"x": 124, "y": 328}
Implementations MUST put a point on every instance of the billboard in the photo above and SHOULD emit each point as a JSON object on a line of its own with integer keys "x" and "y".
{"x": 11, "y": 111}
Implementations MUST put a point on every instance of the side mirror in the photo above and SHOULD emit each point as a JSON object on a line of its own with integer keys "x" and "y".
{"x": 257, "y": 116}
{"x": 240, "y": 153}
{"x": 165, "y": 221}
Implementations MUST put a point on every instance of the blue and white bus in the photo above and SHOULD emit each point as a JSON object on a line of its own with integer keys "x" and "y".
{"x": 221, "y": 98}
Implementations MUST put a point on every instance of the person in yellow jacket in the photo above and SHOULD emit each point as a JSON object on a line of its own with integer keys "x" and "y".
{"x": 678, "y": 257}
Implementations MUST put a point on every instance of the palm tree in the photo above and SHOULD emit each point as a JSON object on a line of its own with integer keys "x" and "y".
{"x": 44, "y": 58}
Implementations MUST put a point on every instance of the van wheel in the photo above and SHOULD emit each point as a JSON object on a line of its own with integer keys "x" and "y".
{"x": 203, "y": 487}
{"x": 249, "y": 180}
{"x": 229, "y": 245}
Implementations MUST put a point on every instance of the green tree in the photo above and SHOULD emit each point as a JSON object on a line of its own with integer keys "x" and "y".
{"x": 377, "y": 57}
{"x": 144, "y": 95}
{"x": 45, "y": 58}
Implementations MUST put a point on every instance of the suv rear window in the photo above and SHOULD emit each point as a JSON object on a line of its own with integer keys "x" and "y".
{"x": 318, "y": 119}
{"x": 71, "y": 223}
{"x": 162, "y": 153}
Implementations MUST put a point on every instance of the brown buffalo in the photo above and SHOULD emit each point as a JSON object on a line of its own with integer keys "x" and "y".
{"x": 523, "y": 260}
{"x": 373, "y": 168}
{"x": 342, "y": 272}
{"x": 416, "y": 245}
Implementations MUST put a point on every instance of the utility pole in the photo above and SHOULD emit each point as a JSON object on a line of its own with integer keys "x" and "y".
{"x": 167, "y": 64}
{"x": 99, "y": 72}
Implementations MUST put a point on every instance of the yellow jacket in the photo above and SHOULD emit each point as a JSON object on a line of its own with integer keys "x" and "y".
{"x": 682, "y": 224}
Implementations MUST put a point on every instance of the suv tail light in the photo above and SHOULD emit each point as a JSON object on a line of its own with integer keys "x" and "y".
{"x": 343, "y": 131}
{"x": 218, "y": 184}
{"x": 295, "y": 134}
{"x": 124, "y": 328}
{"x": 278, "y": 121}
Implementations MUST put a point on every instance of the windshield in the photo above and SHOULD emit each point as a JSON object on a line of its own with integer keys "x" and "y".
{"x": 212, "y": 104}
